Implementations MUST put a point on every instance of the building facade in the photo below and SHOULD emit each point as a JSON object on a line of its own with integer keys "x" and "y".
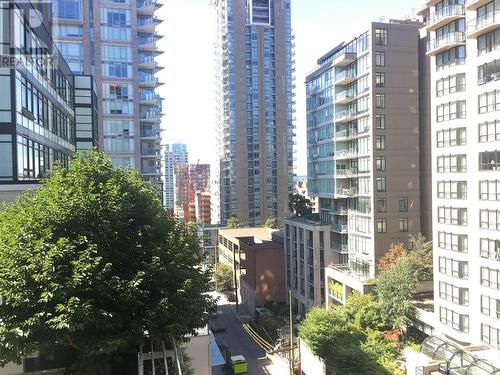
{"x": 116, "y": 43}
{"x": 254, "y": 109}
{"x": 175, "y": 154}
{"x": 37, "y": 105}
{"x": 465, "y": 71}
{"x": 257, "y": 263}
{"x": 363, "y": 155}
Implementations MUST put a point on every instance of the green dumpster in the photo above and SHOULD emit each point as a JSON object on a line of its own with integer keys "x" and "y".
{"x": 239, "y": 364}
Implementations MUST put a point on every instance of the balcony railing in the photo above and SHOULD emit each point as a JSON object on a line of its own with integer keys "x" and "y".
{"x": 445, "y": 42}
{"x": 344, "y": 77}
{"x": 149, "y": 169}
{"x": 346, "y": 154}
{"x": 340, "y": 248}
{"x": 344, "y": 58}
{"x": 346, "y": 172}
{"x": 345, "y": 115}
{"x": 445, "y": 15}
{"x": 347, "y": 133}
{"x": 474, "y": 4}
{"x": 345, "y": 96}
{"x": 149, "y": 151}
{"x": 149, "y": 133}
{"x": 339, "y": 228}
{"x": 483, "y": 24}
{"x": 347, "y": 192}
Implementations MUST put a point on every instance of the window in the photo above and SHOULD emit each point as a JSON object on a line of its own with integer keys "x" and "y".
{"x": 380, "y": 58}
{"x": 380, "y": 163}
{"x": 380, "y": 80}
{"x": 453, "y": 267}
{"x": 489, "y": 249}
{"x": 452, "y": 293}
{"x": 489, "y": 101}
{"x": 68, "y": 9}
{"x": 489, "y": 190}
{"x": 490, "y": 335}
{"x": 403, "y": 225}
{"x": 380, "y": 142}
{"x": 489, "y": 131}
{"x": 489, "y": 161}
{"x": 451, "y": 111}
{"x": 382, "y": 205}
{"x": 488, "y": 72}
{"x": 451, "y": 57}
{"x": 490, "y": 306}
{"x": 381, "y": 184}
{"x": 489, "y": 219}
{"x": 450, "y": 84}
{"x": 380, "y": 100}
{"x": 458, "y": 322}
{"x": 452, "y": 163}
{"x": 380, "y": 121}
{"x": 452, "y": 189}
{"x": 403, "y": 204}
{"x": 488, "y": 42}
{"x": 453, "y": 242}
{"x": 382, "y": 226}
{"x": 452, "y": 215}
{"x": 490, "y": 278}
{"x": 451, "y": 137}
{"x": 381, "y": 37}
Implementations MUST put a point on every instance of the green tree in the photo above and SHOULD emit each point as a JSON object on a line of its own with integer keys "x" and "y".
{"x": 272, "y": 223}
{"x": 299, "y": 205}
{"x": 395, "y": 289}
{"x": 223, "y": 275}
{"x": 365, "y": 312}
{"x": 233, "y": 223}
{"x": 422, "y": 255}
{"x": 90, "y": 262}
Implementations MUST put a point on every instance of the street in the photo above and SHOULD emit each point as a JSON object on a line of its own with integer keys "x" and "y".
{"x": 239, "y": 342}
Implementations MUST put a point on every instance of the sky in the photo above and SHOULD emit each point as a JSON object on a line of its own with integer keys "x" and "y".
{"x": 189, "y": 31}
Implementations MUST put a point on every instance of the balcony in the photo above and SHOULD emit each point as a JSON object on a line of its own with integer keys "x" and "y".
{"x": 346, "y": 193}
{"x": 147, "y": 6}
{"x": 345, "y": 134}
{"x": 445, "y": 15}
{"x": 148, "y": 80}
{"x": 346, "y": 154}
{"x": 474, "y": 4}
{"x": 342, "y": 249}
{"x": 147, "y": 43}
{"x": 150, "y": 116}
{"x": 445, "y": 42}
{"x": 346, "y": 173}
{"x": 149, "y": 169}
{"x": 344, "y": 116}
{"x": 149, "y": 98}
{"x": 484, "y": 24}
{"x": 431, "y": 3}
{"x": 345, "y": 77}
{"x": 147, "y": 24}
{"x": 148, "y": 152}
{"x": 345, "y": 97}
{"x": 345, "y": 58}
{"x": 152, "y": 134}
{"x": 339, "y": 228}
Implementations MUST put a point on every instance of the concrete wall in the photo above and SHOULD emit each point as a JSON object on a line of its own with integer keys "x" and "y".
{"x": 310, "y": 363}
{"x": 11, "y": 368}
{"x": 198, "y": 349}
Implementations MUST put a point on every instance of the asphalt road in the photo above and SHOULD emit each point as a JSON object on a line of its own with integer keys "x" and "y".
{"x": 238, "y": 341}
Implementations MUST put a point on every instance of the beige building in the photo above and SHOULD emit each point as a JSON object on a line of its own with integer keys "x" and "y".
{"x": 463, "y": 50}
{"x": 364, "y": 159}
{"x": 255, "y": 109}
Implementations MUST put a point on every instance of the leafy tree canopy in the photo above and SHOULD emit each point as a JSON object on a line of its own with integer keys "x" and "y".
{"x": 91, "y": 261}
{"x": 395, "y": 289}
{"x": 299, "y": 205}
{"x": 223, "y": 275}
{"x": 233, "y": 223}
{"x": 395, "y": 252}
{"x": 272, "y": 223}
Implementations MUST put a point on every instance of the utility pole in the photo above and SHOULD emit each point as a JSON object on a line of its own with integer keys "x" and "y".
{"x": 291, "y": 330}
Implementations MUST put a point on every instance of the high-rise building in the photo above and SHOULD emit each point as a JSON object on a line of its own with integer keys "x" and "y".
{"x": 255, "y": 109}
{"x": 115, "y": 41}
{"x": 43, "y": 119}
{"x": 203, "y": 207}
{"x": 187, "y": 181}
{"x": 464, "y": 92}
{"x": 363, "y": 163}
{"x": 175, "y": 154}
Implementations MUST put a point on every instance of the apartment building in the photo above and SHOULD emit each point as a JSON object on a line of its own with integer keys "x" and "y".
{"x": 203, "y": 207}
{"x": 254, "y": 109}
{"x": 363, "y": 158}
{"x": 257, "y": 263}
{"x": 175, "y": 154}
{"x": 115, "y": 41}
{"x": 43, "y": 119}
{"x": 463, "y": 48}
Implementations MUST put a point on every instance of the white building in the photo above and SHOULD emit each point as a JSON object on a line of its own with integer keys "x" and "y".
{"x": 464, "y": 51}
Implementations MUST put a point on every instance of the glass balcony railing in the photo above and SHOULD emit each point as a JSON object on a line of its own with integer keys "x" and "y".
{"x": 445, "y": 41}
{"x": 445, "y": 14}
{"x": 483, "y": 24}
